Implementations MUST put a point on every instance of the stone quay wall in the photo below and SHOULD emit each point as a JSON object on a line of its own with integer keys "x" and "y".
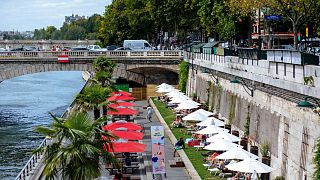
{"x": 291, "y": 131}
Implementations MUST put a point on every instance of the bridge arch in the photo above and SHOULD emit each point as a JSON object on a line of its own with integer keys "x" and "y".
{"x": 140, "y": 73}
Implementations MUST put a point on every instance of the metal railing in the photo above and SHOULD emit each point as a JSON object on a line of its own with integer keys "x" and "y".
{"x": 37, "y": 157}
{"x": 127, "y": 54}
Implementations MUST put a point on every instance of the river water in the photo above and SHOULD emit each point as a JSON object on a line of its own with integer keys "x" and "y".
{"x": 24, "y": 103}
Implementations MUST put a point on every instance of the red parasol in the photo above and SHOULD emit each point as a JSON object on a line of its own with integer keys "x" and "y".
{"x": 130, "y": 146}
{"x": 129, "y": 135}
{"x": 128, "y": 125}
{"x": 117, "y": 104}
{"x": 122, "y": 111}
{"x": 118, "y": 97}
{"x": 122, "y": 93}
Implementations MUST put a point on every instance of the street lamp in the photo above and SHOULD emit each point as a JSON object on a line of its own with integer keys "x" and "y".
{"x": 248, "y": 89}
{"x": 211, "y": 75}
{"x": 307, "y": 104}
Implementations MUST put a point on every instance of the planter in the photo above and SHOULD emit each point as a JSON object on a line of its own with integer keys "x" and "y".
{"x": 236, "y": 133}
{"x": 244, "y": 143}
{"x": 266, "y": 160}
{"x": 227, "y": 126}
{"x": 254, "y": 150}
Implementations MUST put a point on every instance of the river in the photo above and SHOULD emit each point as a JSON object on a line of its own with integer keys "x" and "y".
{"x": 24, "y": 103}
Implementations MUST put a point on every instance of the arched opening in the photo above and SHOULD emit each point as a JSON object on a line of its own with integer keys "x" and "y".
{"x": 142, "y": 81}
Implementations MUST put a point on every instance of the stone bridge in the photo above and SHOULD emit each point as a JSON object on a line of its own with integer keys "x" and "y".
{"x": 143, "y": 67}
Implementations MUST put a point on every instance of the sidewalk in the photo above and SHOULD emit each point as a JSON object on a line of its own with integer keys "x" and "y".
{"x": 177, "y": 173}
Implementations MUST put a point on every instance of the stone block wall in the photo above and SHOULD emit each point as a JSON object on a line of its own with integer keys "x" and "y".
{"x": 269, "y": 117}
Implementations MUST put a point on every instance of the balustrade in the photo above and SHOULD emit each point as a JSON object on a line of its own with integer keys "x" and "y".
{"x": 53, "y": 54}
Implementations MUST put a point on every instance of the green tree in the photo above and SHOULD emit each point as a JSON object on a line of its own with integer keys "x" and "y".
{"x": 92, "y": 97}
{"x": 76, "y": 149}
{"x": 39, "y": 34}
{"x": 75, "y": 32}
{"x": 49, "y": 31}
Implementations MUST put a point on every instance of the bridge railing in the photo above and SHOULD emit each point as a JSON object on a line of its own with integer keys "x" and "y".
{"x": 53, "y": 54}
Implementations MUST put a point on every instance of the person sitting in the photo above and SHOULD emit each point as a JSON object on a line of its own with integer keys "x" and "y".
{"x": 236, "y": 176}
{"x": 178, "y": 145}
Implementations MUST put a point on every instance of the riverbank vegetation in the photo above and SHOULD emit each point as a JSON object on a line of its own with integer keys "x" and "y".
{"x": 195, "y": 156}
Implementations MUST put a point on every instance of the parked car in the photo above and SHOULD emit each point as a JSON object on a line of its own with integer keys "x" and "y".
{"x": 20, "y": 49}
{"x": 96, "y": 48}
{"x": 138, "y": 45}
{"x": 123, "y": 49}
{"x": 112, "y": 47}
{"x": 2, "y": 49}
{"x": 79, "y": 48}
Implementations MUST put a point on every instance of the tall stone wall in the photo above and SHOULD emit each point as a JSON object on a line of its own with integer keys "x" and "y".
{"x": 272, "y": 119}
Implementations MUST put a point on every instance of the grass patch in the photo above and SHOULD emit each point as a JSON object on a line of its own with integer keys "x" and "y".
{"x": 195, "y": 156}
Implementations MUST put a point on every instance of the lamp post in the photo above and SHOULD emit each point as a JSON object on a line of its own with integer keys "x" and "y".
{"x": 248, "y": 89}
{"x": 306, "y": 103}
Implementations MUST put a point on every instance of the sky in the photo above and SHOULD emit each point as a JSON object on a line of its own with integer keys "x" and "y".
{"x": 23, "y": 15}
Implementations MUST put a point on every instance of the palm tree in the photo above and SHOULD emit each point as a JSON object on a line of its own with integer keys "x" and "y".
{"x": 92, "y": 97}
{"x": 77, "y": 148}
{"x": 104, "y": 64}
{"x": 104, "y": 78}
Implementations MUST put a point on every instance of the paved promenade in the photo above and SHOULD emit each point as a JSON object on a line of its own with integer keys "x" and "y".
{"x": 145, "y": 171}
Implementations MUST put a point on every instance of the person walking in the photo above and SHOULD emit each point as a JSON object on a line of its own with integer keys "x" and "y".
{"x": 149, "y": 113}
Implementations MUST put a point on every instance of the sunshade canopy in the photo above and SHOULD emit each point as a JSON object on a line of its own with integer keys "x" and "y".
{"x": 121, "y": 110}
{"x": 211, "y": 130}
{"x": 211, "y": 121}
{"x": 237, "y": 153}
{"x": 199, "y": 115}
{"x": 127, "y": 125}
{"x": 121, "y": 147}
{"x": 224, "y": 136}
{"x": 117, "y": 104}
{"x": 250, "y": 166}
{"x": 129, "y": 135}
{"x": 186, "y": 105}
{"x": 118, "y": 97}
{"x": 221, "y": 145}
{"x": 124, "y": 93}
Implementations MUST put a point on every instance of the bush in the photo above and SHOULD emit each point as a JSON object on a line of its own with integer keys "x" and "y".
{"x": 183, "y": 76}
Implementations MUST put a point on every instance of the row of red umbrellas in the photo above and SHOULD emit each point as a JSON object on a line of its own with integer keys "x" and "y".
{"x": 121, "y": 108}
{"x": 123, "y": 130}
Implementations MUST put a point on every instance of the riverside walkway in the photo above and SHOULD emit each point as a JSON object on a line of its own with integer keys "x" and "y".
{"x": 145, "y": 171}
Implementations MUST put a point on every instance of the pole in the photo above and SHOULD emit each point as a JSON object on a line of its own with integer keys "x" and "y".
{"x": 259, "y": 28}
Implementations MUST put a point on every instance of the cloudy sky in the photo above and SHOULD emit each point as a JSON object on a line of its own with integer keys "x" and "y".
{"x": 24, "y": 15}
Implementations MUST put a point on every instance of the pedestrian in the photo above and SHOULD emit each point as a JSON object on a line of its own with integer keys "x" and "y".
{"x": 179, "y": 145}
{"x": 149, "y": 113}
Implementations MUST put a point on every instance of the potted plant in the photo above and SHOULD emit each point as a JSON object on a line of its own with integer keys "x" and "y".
{"x": 264, "y": 150}
{"x": 194, "y": 96}
{"x": 254, "y": 149}
{"x": 244, "y": 139}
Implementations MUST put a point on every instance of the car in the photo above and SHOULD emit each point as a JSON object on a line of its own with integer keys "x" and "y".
{"x": 123, "y": 49}
{"x": 79, "y": 48}
{"x": 112, "y": 47}
{"x": 96, "y": 48}
{"x": 2, "y": 49}
{"x": 20, "y": 49}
